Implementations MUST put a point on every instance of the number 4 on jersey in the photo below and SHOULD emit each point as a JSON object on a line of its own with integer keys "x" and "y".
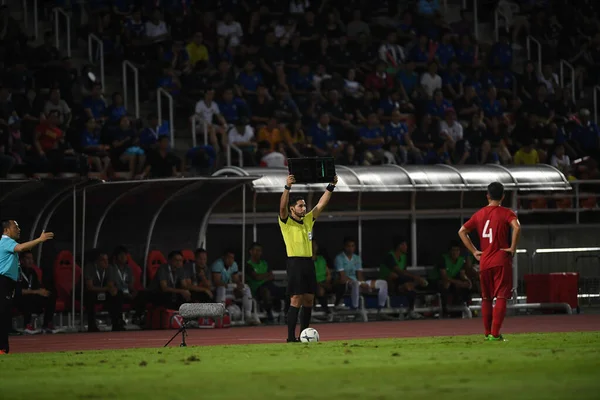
{"x": 487, "y": 231}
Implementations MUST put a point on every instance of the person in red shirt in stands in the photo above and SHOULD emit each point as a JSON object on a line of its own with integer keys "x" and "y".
{"x": 493, "y": 223}
{"x": 54, "y": 152}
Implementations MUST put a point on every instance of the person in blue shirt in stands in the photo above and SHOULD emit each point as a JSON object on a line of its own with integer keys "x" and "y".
{"x": 373, "y": 139}
{"x": 231, "y": 108}
{"x": 322, "y": 137}
{"x": 9, "y": 272}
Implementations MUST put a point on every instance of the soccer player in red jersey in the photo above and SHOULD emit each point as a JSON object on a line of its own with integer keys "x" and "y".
{"x": 493, "y": 223}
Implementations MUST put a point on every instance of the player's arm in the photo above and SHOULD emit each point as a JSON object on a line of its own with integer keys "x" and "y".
{"x": 32, "y": 243}
{"x": 216, "y": 278}
{"x": 515, "y": 225}
{"x": 463, "y": 233}
{"x": 285, "y": 198}
{"x": 316, "y": 211}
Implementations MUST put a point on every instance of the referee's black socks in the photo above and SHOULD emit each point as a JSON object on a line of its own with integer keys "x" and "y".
{"x": 306, "y": 314}
{"x": 292, "y": 320}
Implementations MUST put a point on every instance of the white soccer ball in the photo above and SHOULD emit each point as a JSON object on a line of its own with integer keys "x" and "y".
{"x": 309, "y": 335}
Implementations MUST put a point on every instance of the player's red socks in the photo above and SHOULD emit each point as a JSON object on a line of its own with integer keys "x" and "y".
{"x": 499, "y": 313}
{"x": 486, "y": 315}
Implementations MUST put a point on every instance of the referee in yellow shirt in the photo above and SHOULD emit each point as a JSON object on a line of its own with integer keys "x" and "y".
{"x": 297, "y": 231}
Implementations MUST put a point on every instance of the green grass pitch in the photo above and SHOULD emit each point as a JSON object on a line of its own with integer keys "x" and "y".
{"x": 526, "y": 366}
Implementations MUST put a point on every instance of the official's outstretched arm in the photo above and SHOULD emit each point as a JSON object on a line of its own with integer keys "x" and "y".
{"x": 324, "y": 198}
{"x": 285, "y": 197}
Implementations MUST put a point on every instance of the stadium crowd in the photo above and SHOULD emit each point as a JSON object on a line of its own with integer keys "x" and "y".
{"x": 391, "y": 83}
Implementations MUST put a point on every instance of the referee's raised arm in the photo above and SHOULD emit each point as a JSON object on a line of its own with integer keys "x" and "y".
{"x": 285, "y": 198}
{"x": 316, "y": 211}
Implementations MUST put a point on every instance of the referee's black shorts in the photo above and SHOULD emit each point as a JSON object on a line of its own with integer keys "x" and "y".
{"x": 301, "y": 275}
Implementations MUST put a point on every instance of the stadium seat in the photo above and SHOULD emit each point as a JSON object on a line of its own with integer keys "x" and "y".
{"x": 539, "y": 203}
{"x": 136, "y": 270}
{"x": 188, "y": 256}
{"x": 63, "y": 279}
{"x": 588, "y": 202}
{"x": 155, "y": 260}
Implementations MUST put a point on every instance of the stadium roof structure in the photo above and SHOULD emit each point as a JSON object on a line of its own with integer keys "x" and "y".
{"x": 432, "y": 178}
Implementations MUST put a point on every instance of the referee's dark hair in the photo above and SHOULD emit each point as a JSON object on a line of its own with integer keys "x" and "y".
{"x": 294, "y": 200}
{"x": 174, "y": 253}
{"x": 495, "y": 191}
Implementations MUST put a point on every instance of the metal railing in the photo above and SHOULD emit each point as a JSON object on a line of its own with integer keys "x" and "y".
{"x": 566, "y": 64}
{"x": 497, "y": 15}
{"x": 57, "y": 13}
{"x": 596, "y": 89}
{"x": 159, "y": 93}
{"x": 99, "y": 54}
{"x": 136, "y": 86}
{"x": 531, "y": 39}
{"x": 35, "y": 17}
{"x": 239, "y": 152}
{"x": 475, "y": 17}
{"x": 577, "y": 195}
{"x": 196, "y": 118}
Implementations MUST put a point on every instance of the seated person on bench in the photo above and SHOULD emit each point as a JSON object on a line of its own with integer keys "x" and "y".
{"x": 451, "y": 279}
{"x": 349, "y": 270}
{"x": 393, "y": 270}
{"x": 325, "y": 281}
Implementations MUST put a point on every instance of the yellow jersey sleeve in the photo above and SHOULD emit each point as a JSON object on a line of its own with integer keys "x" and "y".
{"x": 283, "y": 224}
{"x": 309, "y": 221}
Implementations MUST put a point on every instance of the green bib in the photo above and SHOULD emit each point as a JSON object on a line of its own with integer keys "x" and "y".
{"x": 260, "y": 267}
{"x": 453, "y": 268}
{"x": 321, "y": 269}
{"x": 400, "y": 262}
{"x": 385, "y": 271}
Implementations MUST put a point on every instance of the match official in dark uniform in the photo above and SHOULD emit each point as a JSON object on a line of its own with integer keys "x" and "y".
{"x": 297, "y": 230}
{"x": 9, "y": 272}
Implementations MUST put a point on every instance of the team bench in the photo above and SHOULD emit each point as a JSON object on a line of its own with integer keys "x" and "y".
{"x": 396, "y": 305}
